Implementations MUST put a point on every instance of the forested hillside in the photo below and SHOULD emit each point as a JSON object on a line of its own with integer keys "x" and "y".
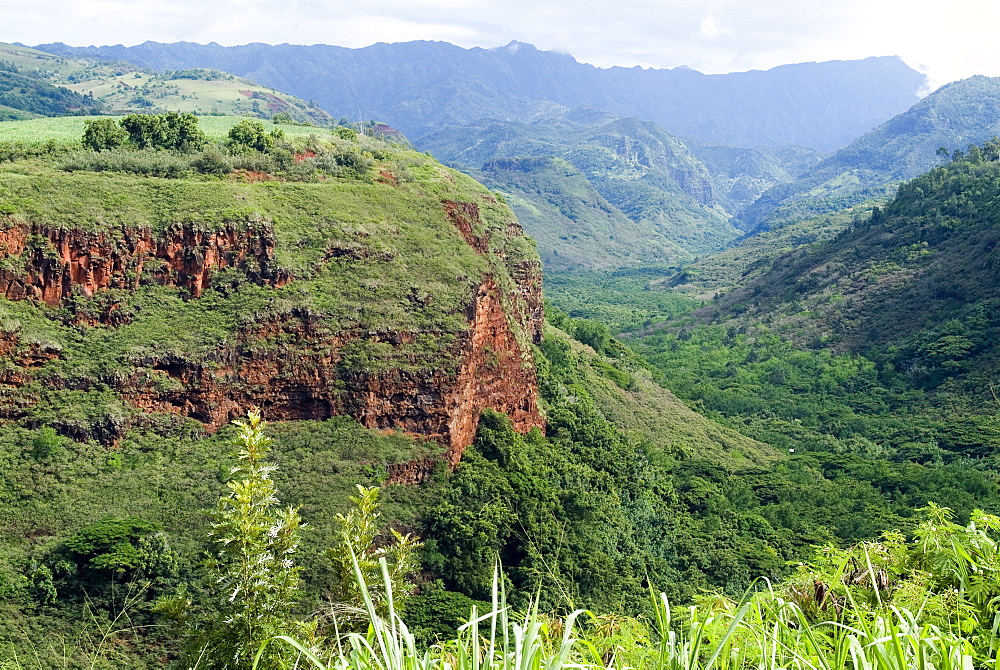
{"x": 912, "y": 284}
{"x": 23, "y": 96}
{"x": 961, "y": 113}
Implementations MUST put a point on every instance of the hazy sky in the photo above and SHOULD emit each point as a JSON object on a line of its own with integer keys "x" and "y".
{"x": 947, "y": 39}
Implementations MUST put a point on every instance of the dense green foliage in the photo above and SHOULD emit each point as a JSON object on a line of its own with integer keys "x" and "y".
{"x": 885, "y": 605}
{"x": 29, "y": 94}
{"x": 621, "y": 299}
{"x": 250, "y": 134}
{"x": 911, "y": 286}
{"x": 171, "y": 131}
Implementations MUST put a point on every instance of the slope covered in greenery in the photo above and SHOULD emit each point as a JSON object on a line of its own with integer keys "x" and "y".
{"x": 118, "y": 87}
{"x": 754, "y": 255}
{"x": 956, "y": 115}
{"x": 913, "y": 277}
{"x": 574, "y": 225}
{"x": 31, "y": 96}
{"x": 869, "y": 356}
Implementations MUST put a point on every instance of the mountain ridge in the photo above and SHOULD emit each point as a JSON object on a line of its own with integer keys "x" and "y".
{"x": 393, "y": 81}
{"x": 957, "y": 114}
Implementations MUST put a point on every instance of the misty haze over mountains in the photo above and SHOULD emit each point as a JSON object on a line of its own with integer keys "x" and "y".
{"x": 420, "y": 87}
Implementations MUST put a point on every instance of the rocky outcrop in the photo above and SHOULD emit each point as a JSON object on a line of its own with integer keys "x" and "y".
{"x": 56, "y": 262}
{"x": 316, "y": 372}
{"x": 310, "y": 378}
{"x": 464, "y": 215}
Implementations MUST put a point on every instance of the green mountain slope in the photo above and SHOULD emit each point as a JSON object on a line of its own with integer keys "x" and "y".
{"x": 640, "y": 172}
{"x": 958, "y": 114}
{"x": 34, "y": 97}
{"x": 915, "y": 283}
{"x": 119, "y": 88}
{"x": 754, "y": 255}
{"x": 573, "y": 224}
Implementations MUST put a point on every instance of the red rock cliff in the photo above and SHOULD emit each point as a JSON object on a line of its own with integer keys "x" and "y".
{"x": 489, "y": 364}
{"x": 57, "y": 261}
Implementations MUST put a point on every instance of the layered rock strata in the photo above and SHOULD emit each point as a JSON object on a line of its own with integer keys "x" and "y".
{"x": 487, "y": 365}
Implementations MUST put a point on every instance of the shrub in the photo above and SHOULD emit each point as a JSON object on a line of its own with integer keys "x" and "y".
{"x": 256, "y": 581}
{"x": 212, "y": 161}
{"x": 250, "y": 134}
{"x": 148, "y": 162}
{"x": 254, "y": 161}
{"x": 359, "y": 549}
{"x": 346, "y": 133}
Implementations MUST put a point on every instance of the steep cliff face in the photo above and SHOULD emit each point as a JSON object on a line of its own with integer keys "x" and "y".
{"x": 368, "y": 328}
{"x": 59, "y": 261}
{"x": 312, "y": 378}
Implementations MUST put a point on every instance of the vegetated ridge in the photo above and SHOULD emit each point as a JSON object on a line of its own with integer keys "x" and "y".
{"x": 120, "y": 88}
{"x": 25, "y": 96}
{"x": 956, "y": 115}
{"x": 912, "y": 284}
{"x": 409, "y": 301}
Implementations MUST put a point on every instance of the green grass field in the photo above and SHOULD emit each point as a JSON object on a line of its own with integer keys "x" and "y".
{"x": 69, "y": 129}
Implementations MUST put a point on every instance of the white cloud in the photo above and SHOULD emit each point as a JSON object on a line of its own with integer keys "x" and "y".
{"x": 710, "y": 28}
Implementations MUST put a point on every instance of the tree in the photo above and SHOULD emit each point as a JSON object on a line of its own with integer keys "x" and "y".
{"x": 173, "y": 131}
{"x": 250, "y": 134}
{"x": 256, "y": 580}
{"x": 103, "y": 134}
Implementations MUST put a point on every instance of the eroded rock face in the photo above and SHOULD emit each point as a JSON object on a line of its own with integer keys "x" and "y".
{"x": 308, "y": 380}
{"x": 57, "y": 261}
{"x": 488, "y": 365}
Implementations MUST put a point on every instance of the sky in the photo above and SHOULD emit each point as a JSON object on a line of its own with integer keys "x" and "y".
{"x": 947, "y": 40}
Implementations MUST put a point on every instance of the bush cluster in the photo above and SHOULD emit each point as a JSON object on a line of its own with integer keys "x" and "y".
{"x": 173, "y": 131}
{"x": 172, "y": 145}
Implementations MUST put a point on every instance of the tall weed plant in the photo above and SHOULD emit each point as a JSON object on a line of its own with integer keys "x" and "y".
{"x": 762, "y": 631}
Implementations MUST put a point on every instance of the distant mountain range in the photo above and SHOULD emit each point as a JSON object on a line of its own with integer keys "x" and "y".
{"x": 420, "y": 87}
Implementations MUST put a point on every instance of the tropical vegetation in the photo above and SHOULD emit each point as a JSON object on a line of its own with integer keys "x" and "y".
{"x": 821, "y": 492}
